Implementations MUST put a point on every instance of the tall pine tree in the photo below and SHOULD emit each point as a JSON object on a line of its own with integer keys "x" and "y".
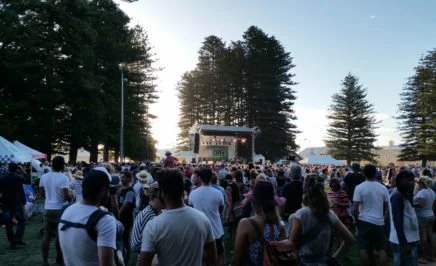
{"x": 248, "y": 83}
{"x": 351, "y": 132}
{"x": 417, "y": 113}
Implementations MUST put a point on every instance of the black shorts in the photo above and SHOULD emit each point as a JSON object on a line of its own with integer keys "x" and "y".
{"x": 219, "y": 246}
{"x": 370, "y": 236}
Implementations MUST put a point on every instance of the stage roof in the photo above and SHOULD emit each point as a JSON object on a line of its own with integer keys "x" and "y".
{"x": 198, "y": 128}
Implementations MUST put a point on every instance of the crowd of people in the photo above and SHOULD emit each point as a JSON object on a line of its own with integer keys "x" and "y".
{"x": 172, "y": 213}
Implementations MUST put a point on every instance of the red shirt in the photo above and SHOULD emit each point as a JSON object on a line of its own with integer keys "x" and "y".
{"x": 170, "y": 162}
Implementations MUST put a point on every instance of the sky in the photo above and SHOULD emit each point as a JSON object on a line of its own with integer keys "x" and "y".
{"x": 379, "y": 41}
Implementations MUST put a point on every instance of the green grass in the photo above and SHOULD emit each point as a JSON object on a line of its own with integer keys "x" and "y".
{"x": 31, "y": 254}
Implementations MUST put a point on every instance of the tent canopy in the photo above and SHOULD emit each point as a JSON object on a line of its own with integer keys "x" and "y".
{"x": 32, "y": 152}
{"x": 322, "y": 160}
{"x": 9, "y": 153}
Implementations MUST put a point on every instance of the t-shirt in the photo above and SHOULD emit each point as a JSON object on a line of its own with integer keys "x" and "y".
{"x": 293, "y": 192}
{"x": 11, "y": 187}
{"x": 352, "y": 180}
{"x": 53, "y": 183}
{"x": 170, "y": 162}
{"x": 372, "y": 195}
{"x": 141, "y": 220}
{"x": 178, "y": 236}
{"x": 319, "y": 245}
{"x": 222, "y": 173}
{"x": 341, "y": 211}
{"x": 138, "y": 189}
{"x": 429, "y": 197}
{"x": 208, "y": 200}
{"x": 77, "y": 247}
{"x": 76, "y": 186}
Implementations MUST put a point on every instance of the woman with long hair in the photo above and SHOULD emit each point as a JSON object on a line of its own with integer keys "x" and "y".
{"x": 423, "y": 202}
{"x": 265, "y": 224}
{"x": 313, "y": 225}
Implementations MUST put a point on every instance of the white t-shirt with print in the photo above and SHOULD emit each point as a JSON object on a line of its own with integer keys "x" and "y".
{"x": 209, "y": 200}
{"x": 53, "y": 183}
{"x": 178, "y": 236}
{"x": 77, "y": 247}
{"x": 372, "y": 195}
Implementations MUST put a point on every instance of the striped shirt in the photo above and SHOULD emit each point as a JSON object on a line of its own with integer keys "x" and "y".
{"x": 141, "y": 220}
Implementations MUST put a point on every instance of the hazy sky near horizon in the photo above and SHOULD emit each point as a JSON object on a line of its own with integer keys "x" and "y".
{"x": 379, "y": 41}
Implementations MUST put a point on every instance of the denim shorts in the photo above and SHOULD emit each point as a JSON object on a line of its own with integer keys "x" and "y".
{"x": 401, "y": 260}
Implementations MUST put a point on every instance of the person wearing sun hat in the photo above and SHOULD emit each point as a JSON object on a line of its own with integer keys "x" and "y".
{"x": 265, "y": 224}
{"x": 143, "y": 177}
{"x": 76, "y": 185}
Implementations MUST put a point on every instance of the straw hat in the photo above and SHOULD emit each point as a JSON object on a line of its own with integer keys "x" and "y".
{"x": 78, "y": 175}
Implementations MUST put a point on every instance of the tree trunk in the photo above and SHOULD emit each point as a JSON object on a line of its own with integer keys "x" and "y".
{"x": 73, "y": 150}
{"x": 424, "y": 162}
{"x": 93, "y": 150}
{"x": 116, "y": 155}
{"x": 106, "y": 153}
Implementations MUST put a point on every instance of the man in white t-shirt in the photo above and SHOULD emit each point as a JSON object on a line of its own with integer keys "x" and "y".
{"x": 371, "y": 207}
{"x": 54, "y": 186}
{"x": 210, "y": 201}
{"x": 181, "y": 234}
{"x": 78, "y": 247}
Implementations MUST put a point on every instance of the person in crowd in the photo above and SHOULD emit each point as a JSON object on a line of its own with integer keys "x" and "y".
{"x": 76, "y": 185}
{"x": 181, "y": 235}
{"x": 313, "y": 226}
{"x": 54, "y": 186}
{"x": 264, "y": 224}
{"x": 293, "y": 193}
{"x": 423, "y": 202}
{"x": 170, "y": 161}
{"x": 211, "y": 202}
{"x": 214, "y": 184}
{"x": 143, "y": 177}
{"x": 271, "y": 178}
{"x": 77, "y": 246}
{"x": 339, "y": 202}
{"x": 404, "y": 234}
{"x": 371, "y": 206}
{"x": 30, "y": 194}
{"x": 126, "y": 205}
{"x": 222, "y": 172}
{"x": 13, "y": 201}
{"x": 352, "y": 180}
{"x": 153, "y": 209}
{"x": 239, "y": 179}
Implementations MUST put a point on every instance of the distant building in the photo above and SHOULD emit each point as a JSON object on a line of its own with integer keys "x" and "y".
{"x": 317, "y": 151}
{"x": 385, "y": 155}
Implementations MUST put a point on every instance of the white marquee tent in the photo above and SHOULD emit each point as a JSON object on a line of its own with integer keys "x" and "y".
{"x": 322, "y": 160}
{"x": 32, "y": 152}
{"x": 10, "y": 153}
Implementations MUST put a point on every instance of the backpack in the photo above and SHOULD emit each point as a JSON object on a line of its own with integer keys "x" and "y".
{"x": 90, "y": 225}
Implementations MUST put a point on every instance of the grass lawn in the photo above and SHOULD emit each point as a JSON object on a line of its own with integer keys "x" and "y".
{"x": 31, "y": 254}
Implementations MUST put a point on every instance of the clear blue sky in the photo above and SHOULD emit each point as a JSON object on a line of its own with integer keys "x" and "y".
{"x": 379, "y": 41}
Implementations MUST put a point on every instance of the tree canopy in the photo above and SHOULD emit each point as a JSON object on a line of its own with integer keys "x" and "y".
{"x": 60, "y": 85}
{"x": 244, "y": 83}
{"x": 351, "y": 132}
{"x": 417, "y": 112}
